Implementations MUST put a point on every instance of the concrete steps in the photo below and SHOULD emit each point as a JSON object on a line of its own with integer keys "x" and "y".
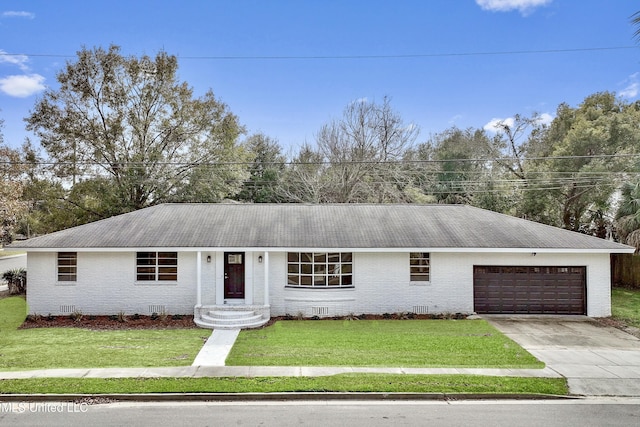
{"x": 219, "y": 318}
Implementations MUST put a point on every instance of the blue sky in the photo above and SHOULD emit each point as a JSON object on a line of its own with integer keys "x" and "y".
{"x": 286, "y": 67}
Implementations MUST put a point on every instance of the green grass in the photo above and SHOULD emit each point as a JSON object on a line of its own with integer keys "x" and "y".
{"x": 48, "y": 348}
{"x": 393, "y": 343}
{"x": 337, "y": 383}
{"x": 625, "y": 305}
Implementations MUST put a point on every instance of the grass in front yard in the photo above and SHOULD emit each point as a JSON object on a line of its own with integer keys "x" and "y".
{"x": 393, "y": 343}
{"x": 49, "y": 348}
{"x": 337, "y": 383}
{"x": 625, "y": 305}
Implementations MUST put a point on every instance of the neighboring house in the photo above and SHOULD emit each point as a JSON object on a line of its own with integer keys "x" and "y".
{"x": 239, "y": 264}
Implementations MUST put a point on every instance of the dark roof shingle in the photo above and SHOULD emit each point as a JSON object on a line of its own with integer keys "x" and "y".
{"x": 317, "y": 226}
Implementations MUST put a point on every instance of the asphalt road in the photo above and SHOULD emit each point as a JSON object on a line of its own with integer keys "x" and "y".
{"x": 566, "y": 413}
{"x": 9, "y": 263}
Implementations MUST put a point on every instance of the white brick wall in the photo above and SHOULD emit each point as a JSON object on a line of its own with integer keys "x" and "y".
{"x": 106, "y": 284}
{"x": 382, "y": 284}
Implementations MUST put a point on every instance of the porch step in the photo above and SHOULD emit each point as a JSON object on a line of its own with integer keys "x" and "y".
{"x": 230, "y": 319}
{"x": 231, "y": 314}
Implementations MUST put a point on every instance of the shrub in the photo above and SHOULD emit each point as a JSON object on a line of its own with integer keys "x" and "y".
{"x": 35, "y": 317}
{"x": 17, "y": 280}
{"x": 76, "y": 316}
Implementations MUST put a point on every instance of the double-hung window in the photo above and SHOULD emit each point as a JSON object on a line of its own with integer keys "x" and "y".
{"x": 67, "y": 266}
{"x": 156, "y": 266}
{"x": 419, "y": 266}
{"x": 320, "y": 270}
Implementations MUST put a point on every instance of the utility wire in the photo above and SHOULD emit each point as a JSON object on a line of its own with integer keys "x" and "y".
{"x": 372, "y": 56}
{"x": 323, "y": 162}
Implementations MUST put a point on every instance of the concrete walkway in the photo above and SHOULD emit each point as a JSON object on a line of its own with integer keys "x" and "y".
{"x": 597, "y": 360}
{"x": 263, "y": 371}
{"x": 214, "y": 352}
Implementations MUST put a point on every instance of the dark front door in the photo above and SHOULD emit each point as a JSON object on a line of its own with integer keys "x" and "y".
{"x": 234, "y": 274}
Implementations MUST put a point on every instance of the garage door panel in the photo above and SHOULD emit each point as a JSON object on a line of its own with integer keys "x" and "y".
{"x": 530, "y": 290}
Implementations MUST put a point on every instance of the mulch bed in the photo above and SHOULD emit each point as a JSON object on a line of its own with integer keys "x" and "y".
{"x": 110, "y": 322}
{"x": 185, "y": 322}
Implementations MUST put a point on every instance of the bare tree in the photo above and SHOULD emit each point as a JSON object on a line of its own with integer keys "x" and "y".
{"x": 360, "y": 149}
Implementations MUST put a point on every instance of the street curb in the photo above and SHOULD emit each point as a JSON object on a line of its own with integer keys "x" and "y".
{"x": 264, "y": 397}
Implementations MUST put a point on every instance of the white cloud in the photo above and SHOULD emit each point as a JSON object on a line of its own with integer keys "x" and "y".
{"x": 18, "y": 14}
{"x": 19, "y": 60}
{"x": 545, "y": 118}
{"x": 523, "y": 6}
{"x": 495, "y": 125}
{"x": 22, "y": 86}
{"x": 454, "y": 119}
{"x": 632, "y": 87}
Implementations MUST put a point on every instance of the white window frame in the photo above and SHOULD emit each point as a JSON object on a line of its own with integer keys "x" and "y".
{"x": 419, "y": 267}
{"x": 159, "y": 267}
{"x": 320, "y": 270}
{"x": 67, "y": 271}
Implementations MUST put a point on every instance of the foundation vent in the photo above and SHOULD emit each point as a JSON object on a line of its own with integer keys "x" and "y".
{"x": 158, "y": 309}
{"x": 421, "y": 309}
{"x": 67, "y": 309}
{"x": 319, "y": 311}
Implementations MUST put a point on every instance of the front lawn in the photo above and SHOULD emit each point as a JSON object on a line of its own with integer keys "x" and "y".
{"x": 393, "y": 343}
{"x": 49, "y": 348}
{"x": 383, "y": 383}
{"x": 625, "y": 305}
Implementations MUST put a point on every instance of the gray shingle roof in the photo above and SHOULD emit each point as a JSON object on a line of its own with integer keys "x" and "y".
{"x": 317, "y": 226}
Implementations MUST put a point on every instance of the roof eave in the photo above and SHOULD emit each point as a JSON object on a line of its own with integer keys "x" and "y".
{"x": 533, "y": 251}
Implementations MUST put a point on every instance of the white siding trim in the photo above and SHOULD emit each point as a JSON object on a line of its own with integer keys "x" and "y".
{"x": 362, "y": 250}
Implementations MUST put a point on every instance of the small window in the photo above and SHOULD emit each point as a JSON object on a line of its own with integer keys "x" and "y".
{"x": 156, "y": 266}
{"x": 234, "y": 259}
{"x": 67, "y": 266}
{"x": 419, "y": 265}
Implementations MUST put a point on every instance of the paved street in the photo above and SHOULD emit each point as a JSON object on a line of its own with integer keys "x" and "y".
{"x": 596, "y": 360}
{"x": 11, "y": 262}
{"x": 565, "y": 413}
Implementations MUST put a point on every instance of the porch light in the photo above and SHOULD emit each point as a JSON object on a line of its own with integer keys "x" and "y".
{"x": 208, "y": 258}
{"x": 260, "y": 259}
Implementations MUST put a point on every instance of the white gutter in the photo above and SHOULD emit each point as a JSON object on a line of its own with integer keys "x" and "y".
{"x": 621, "y": 249}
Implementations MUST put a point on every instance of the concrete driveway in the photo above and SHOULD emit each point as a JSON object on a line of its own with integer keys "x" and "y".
{"x": 597, "y": 360}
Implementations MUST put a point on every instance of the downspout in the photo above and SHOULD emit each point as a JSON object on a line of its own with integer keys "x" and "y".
{"x": 199, "y": 280}
{"x": 266, "y": 278}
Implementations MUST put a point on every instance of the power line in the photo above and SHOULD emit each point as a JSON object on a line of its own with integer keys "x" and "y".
{"x": 358, "y": 57}
{"x": 319, "y": 162}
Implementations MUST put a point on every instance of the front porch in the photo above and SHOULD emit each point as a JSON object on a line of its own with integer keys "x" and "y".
{"x": 231, "y": 316}
{"x": 232, "y": 289}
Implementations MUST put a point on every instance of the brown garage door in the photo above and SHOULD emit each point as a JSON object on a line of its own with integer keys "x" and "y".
{"x": 529, "y": 290}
